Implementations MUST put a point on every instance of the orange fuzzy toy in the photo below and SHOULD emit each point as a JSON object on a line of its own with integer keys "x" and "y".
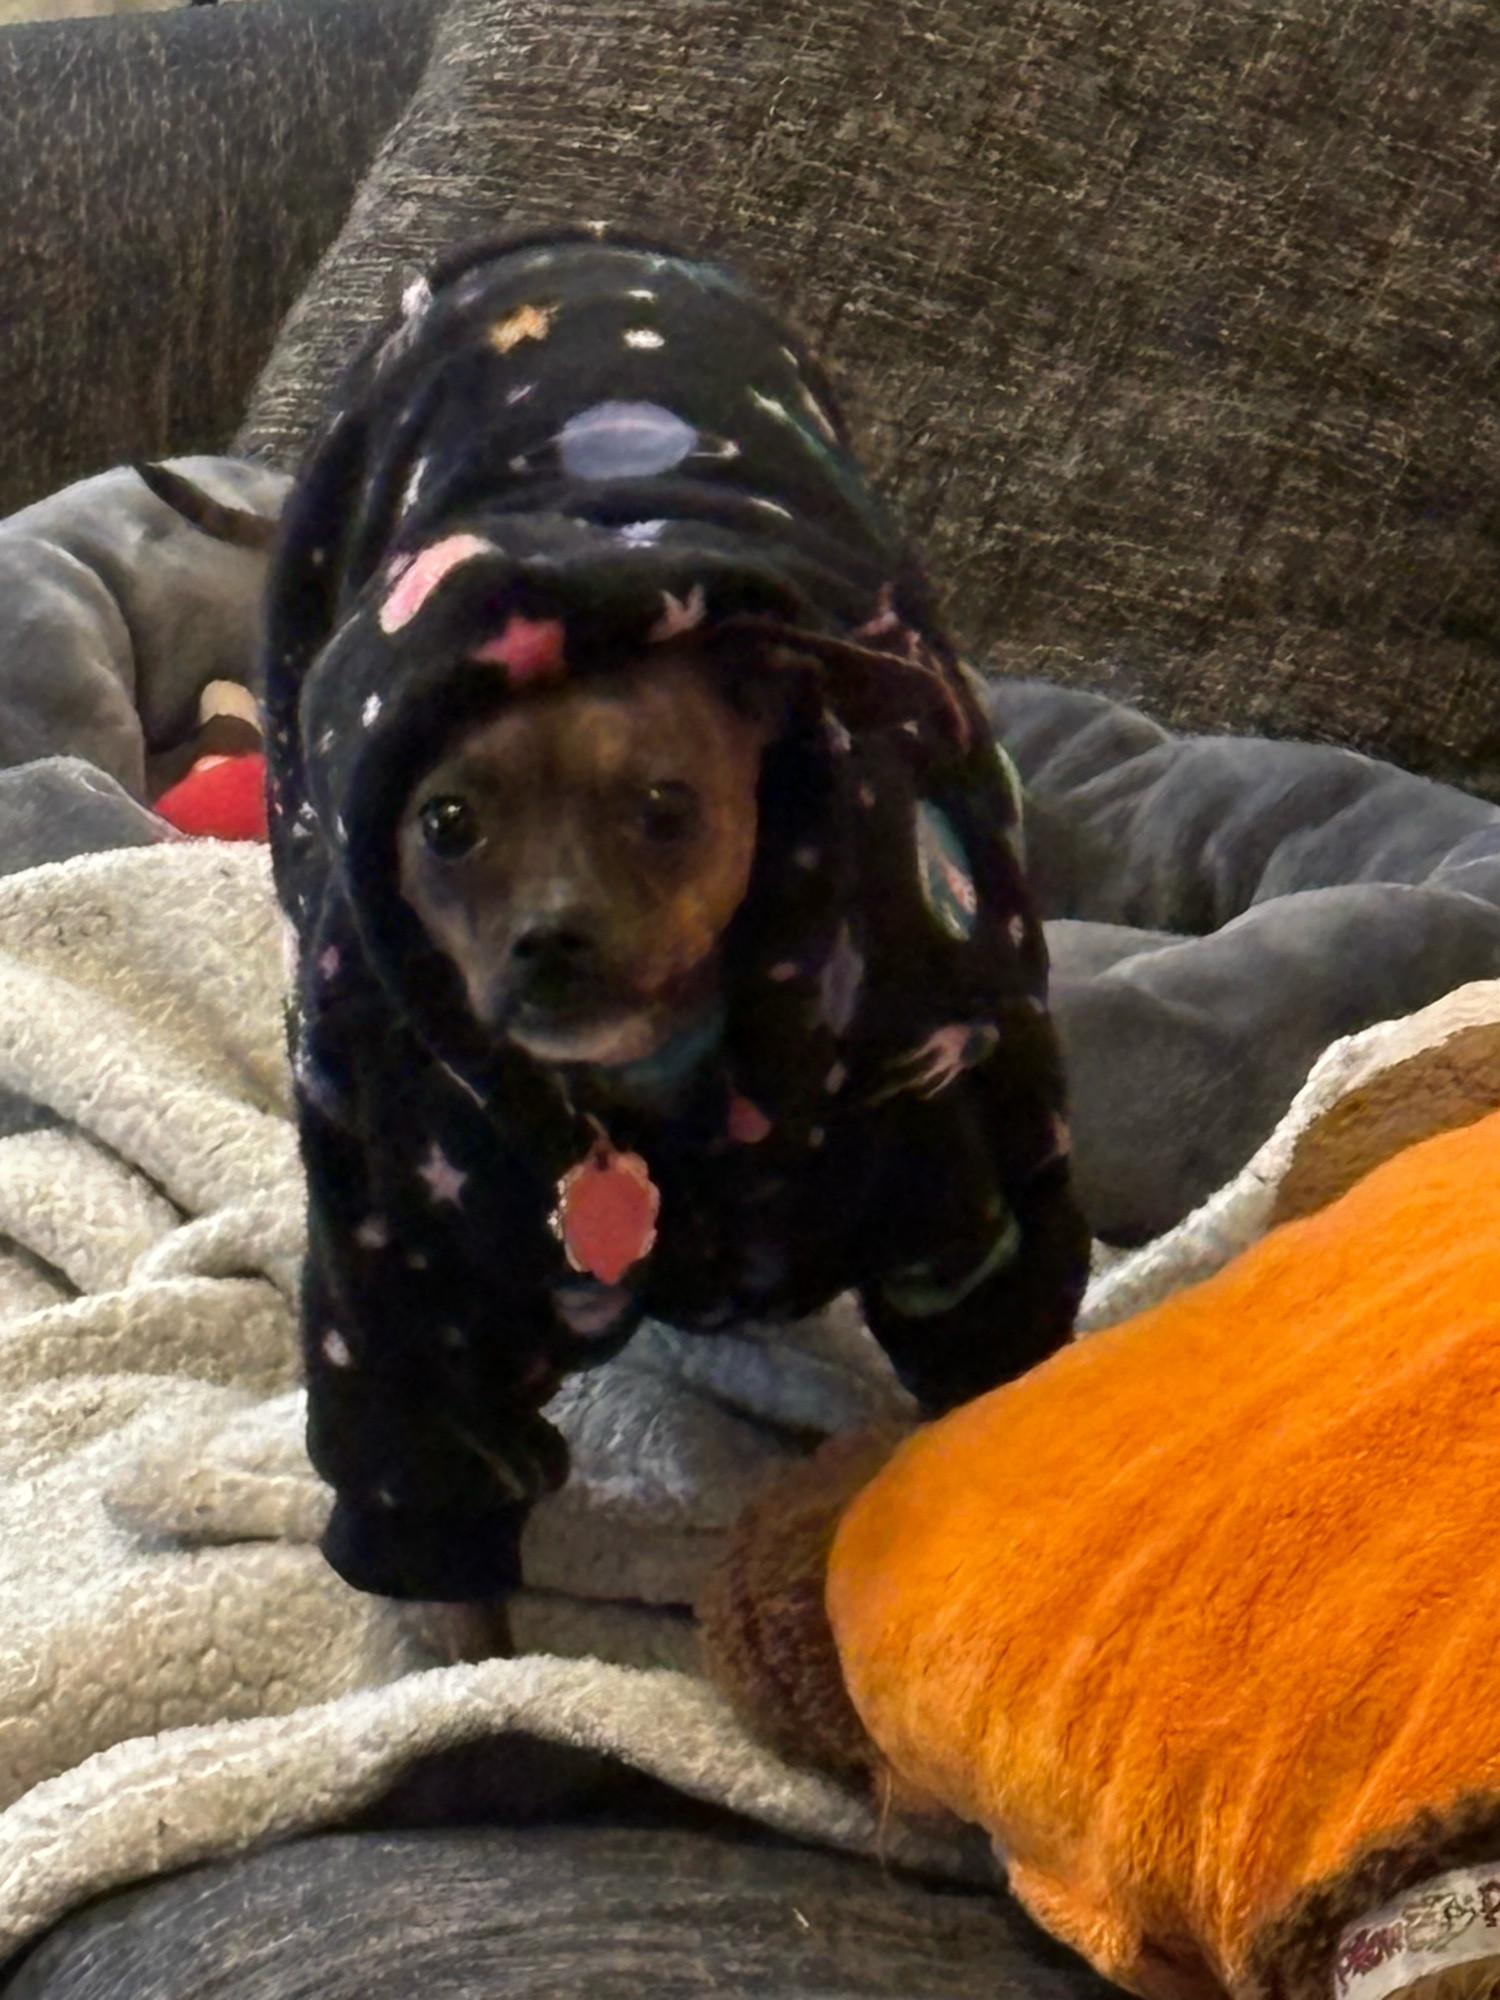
{"x": 1200, "y": 1618}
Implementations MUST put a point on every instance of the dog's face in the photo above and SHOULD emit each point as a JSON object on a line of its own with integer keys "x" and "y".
{"x": 579, "y": 856}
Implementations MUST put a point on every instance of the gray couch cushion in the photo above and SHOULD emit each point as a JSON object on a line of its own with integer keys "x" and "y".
{"x": 549, "y": 1913}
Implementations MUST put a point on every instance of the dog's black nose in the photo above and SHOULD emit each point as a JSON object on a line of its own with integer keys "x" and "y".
{"x": 550, "y": 960}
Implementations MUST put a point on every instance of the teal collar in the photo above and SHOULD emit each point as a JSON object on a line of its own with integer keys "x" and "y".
{"x": 660, "y": 1077}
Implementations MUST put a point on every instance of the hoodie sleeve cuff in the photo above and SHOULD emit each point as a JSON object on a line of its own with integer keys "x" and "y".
{"x": 451, "y": 1557}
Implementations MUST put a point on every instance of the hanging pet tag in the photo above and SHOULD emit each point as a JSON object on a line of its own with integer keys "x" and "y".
{"x": 606, "y": 1212}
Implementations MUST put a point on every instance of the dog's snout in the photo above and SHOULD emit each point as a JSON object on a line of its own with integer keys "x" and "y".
{"x": 553, "y": 956}
{"x": 552, "y": 944}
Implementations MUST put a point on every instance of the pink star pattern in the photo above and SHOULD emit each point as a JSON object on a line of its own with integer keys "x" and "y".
{"x": 444, "y": 1181}
{"x": 530, "y": 649}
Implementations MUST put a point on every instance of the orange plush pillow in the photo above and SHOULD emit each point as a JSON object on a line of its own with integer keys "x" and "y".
{"x": 1200, "y": 1619}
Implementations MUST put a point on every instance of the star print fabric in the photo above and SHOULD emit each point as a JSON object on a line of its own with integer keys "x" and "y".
{"x": 560, "y": 454}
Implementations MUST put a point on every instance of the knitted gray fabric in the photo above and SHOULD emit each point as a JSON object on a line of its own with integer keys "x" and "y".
{"x": 1167, "y": 322}
{"x": 170, "y": 180}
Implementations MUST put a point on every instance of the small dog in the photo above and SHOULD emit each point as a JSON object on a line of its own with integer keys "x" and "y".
{"x": 580, "y": 857}
{"x": 662, "y": 939}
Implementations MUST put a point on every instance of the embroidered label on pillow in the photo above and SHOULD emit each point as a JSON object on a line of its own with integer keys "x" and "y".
{"x": 1448, "y": 1920}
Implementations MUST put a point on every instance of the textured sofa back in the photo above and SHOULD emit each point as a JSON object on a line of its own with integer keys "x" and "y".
{"x": 167, "y": 183}
{"x": 1169, "y": 323}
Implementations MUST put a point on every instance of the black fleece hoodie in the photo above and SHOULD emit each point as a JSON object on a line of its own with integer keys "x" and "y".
{"x": 560, "y": 453}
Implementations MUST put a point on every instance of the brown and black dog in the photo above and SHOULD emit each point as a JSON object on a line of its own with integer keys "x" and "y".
{"x": 580, "y": 856}
{"x": 663, "y": 943}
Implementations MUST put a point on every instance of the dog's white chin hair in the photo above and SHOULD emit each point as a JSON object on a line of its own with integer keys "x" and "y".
{"x": 628, "y": 1038}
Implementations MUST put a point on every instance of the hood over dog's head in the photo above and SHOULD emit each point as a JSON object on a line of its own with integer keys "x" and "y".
{"x": 577, "y": 463}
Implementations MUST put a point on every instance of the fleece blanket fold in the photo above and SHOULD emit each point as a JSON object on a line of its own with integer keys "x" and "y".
{"x": 182, "y": 1675}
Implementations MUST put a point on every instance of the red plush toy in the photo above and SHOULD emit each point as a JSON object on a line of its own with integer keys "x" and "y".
{"x": 221, "y": 795}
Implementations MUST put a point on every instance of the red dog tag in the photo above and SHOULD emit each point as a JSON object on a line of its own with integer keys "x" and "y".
{"x": 606, "y": 1212}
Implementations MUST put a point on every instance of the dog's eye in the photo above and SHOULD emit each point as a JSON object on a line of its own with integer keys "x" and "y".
{"x": 669, "y": 811}
{"x": 450, "y": 827}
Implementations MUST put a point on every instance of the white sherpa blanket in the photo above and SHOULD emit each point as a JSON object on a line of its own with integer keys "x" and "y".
{"x": 181, "y": 1675}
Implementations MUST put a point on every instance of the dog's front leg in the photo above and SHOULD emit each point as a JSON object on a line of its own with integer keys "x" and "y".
{"x": 984, "y": 1251}
{"x": 423, "y": 1388}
